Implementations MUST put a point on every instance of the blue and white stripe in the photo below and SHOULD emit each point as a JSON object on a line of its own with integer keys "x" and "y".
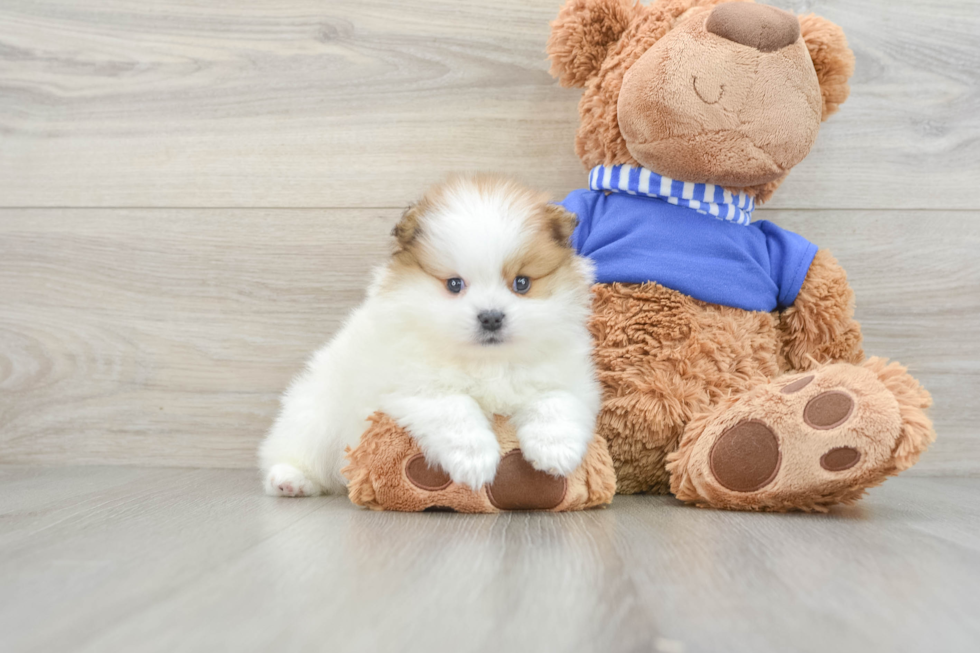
{"x": 704, "y": 198}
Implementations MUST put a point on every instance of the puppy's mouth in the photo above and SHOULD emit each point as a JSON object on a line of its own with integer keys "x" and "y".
{"x": 491, "y": 339}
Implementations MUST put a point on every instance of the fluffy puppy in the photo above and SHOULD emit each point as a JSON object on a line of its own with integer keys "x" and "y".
{"x": 481, "y": 310}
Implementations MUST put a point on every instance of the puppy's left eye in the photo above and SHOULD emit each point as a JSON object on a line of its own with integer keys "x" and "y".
{"x": 521, "y": 285}
{"x": 455, "y": 285}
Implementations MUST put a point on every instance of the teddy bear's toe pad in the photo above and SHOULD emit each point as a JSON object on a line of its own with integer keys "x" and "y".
{"x": 518, "y": 486}
{"x": 839, "y": 459}
{"x": 424, "y": 477}
{"x": 828, "y": 410}
{"x": 797, "y": 385}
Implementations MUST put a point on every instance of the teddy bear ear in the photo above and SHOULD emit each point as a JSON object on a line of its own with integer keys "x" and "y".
{"x": 832, "y": 59}
{"x": 581, "y": 36}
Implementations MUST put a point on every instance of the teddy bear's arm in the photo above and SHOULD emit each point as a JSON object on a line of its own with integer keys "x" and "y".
{"x": 820, "y": 325}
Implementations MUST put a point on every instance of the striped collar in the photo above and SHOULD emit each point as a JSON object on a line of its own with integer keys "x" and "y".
{"x": 704, "y": 198}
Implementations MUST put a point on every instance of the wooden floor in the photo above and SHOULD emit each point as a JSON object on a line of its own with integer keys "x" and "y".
{"x": 139, "y": 559}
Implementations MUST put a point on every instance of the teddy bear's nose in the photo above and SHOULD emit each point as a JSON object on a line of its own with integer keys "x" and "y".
{"x": 761, "y": 27}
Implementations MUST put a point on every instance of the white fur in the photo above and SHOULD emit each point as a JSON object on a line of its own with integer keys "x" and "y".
{"x": 413, "y": 350}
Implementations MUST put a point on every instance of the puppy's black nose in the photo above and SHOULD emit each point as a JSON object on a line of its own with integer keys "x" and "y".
{"x": 490, "y": 320}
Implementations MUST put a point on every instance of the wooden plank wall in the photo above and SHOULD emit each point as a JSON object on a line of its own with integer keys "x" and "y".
{"x": 192, "y": 195}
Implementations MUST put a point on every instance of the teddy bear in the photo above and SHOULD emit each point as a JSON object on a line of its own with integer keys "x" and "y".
{"x": 730, "y": 360}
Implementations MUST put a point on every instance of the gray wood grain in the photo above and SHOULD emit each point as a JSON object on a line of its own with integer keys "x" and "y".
{"x": 134, "y": 559}
{"x": 166, "y": 335}
{"x": 163, "y": 337}
{"x": 355, "y": 103}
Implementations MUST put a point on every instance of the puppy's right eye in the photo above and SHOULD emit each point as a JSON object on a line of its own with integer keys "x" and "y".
{"x": 455, "y": 285}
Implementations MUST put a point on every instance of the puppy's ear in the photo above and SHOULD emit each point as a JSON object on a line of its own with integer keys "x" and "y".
{"x": 561, "y": 224}
{"x": 581, "y": 36}
{"x": 832, "y": 59}
{"x": 409, "y": 227}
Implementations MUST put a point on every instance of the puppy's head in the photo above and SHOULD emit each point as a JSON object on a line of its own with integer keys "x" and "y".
{"x": 483, "y": 264}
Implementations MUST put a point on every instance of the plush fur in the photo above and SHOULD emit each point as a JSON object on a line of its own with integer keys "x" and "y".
{"x": 832, "y": 60}
{"x": 820, "y": 325}
{"x": 711, "y": 92}
{"x": 418, "y": 352}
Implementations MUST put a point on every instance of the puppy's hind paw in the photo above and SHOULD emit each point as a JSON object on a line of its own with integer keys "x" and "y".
{"x": 287, "y": 481}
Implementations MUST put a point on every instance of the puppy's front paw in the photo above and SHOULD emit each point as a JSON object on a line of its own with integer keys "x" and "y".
{"x": 471, "y": 460}
{"x": 287, "y": 481}
{"x": 555, "y": 447}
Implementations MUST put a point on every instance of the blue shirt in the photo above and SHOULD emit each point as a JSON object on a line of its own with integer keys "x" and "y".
{"x": 635, "y": 238}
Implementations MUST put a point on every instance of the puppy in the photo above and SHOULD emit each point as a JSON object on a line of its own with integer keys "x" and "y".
{"x": 481, "y": 310}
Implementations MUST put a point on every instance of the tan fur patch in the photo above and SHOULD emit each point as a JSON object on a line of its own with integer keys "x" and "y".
{"x": 410, "y": 258}
{"x": 408, "y": 228}
{"x": 546, "y": 258}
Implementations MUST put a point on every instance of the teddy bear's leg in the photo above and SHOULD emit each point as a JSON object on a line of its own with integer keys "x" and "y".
{"x": 805, "y": 441}
{"x": 388, "y": 471}
{"x": 663, "y": 357}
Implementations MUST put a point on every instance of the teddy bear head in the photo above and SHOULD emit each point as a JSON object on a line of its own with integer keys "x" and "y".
{"x": 724, "y": 92}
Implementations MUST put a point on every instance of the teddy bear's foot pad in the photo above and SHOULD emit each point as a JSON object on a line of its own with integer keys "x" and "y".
{"x": 804, "y": 442}
{"x": 746, "y": 457}
{"x": 518, "y": 486}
